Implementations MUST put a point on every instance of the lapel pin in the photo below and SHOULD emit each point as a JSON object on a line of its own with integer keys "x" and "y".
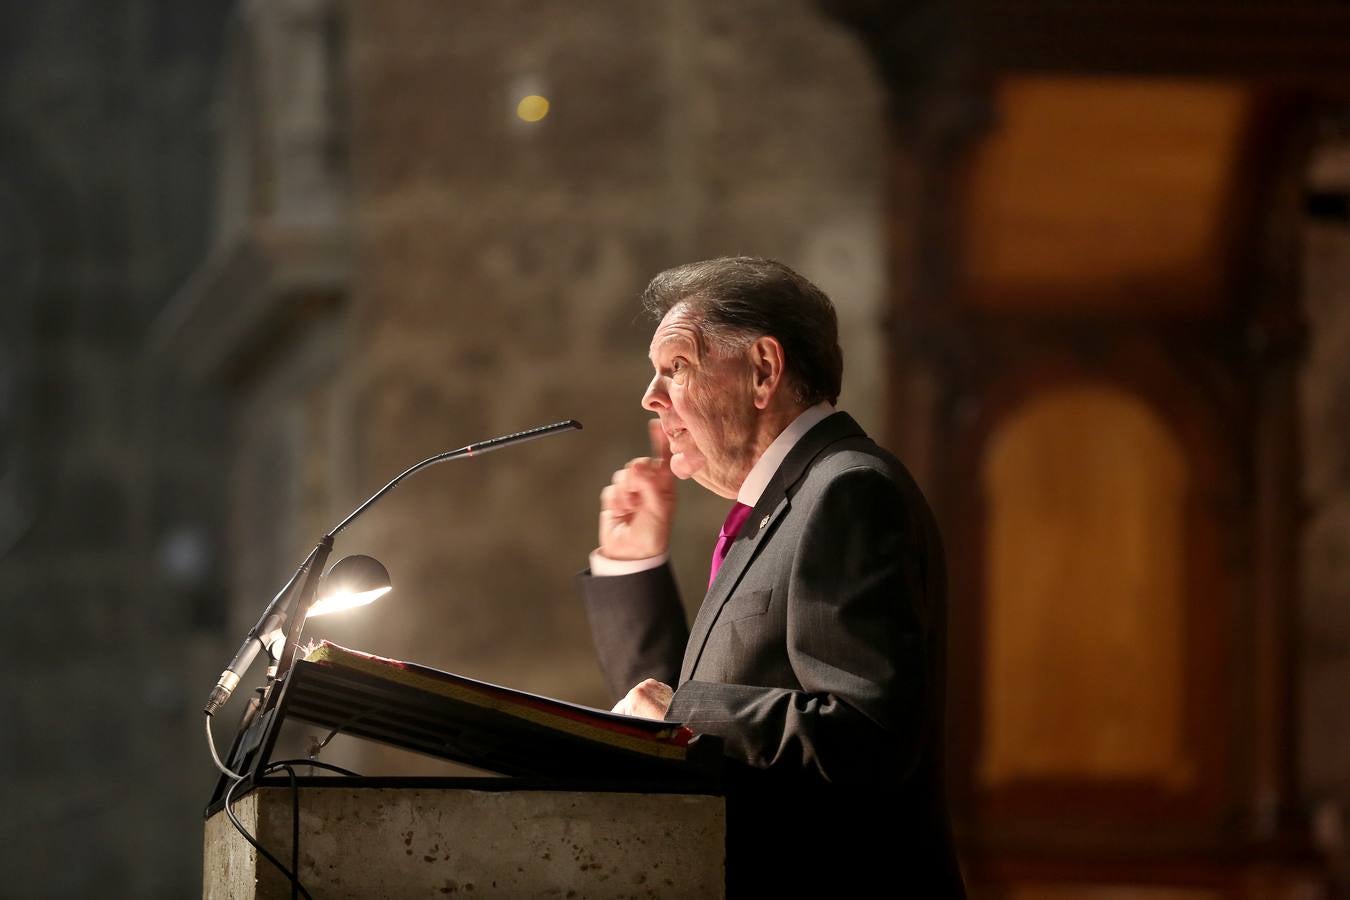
{"x": 762, "y": 522}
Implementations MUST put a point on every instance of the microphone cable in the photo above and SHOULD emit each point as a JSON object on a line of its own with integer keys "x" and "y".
{"x": 291, "y": 873}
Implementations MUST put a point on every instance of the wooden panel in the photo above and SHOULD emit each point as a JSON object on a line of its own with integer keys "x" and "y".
{"x": 1131, "y": 226}
{"x": 1294, "y": 41}
{"x": 1084, "y": 674}
{"x": 1096, "y": 193}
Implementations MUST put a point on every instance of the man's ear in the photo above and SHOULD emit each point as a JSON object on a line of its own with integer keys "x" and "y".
{"x": 767, "y": 369}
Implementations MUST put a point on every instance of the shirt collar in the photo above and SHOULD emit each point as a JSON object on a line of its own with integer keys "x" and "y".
{"x": 769, "y": 461}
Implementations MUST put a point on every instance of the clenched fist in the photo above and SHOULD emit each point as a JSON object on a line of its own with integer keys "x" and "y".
{"x": 637, "y": 507}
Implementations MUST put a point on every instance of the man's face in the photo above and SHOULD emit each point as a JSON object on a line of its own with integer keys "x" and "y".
{"x": 703, "y": 396}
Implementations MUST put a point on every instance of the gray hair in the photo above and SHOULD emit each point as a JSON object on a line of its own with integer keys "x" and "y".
{"x": 736, "y": 299}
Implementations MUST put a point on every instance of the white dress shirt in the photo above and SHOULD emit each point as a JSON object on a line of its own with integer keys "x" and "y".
{"x": 751, "y": 489}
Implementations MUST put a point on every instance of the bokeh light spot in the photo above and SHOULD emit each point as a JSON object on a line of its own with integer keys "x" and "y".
{"x": 532, "y": 108}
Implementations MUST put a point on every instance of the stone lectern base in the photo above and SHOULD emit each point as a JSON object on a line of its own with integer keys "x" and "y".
{"x": 407, "y": 841}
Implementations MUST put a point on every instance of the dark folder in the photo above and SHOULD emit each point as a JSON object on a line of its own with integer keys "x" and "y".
{"x": 486, "y": 725}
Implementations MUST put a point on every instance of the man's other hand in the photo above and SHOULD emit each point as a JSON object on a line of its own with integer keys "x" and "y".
{"x": 637, "y": 507}
{"x": 649, "y": 700}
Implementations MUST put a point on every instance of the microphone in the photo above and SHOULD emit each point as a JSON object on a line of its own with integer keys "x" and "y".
{"x": 519, "y": 437}
{"x": 273, "y": 618}
{"x": 478, "y": 449}
{"x": 254, "y": 641}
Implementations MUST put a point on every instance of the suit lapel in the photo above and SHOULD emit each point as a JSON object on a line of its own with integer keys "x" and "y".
{"x": 753, "y": 535}
{"x": 759, "y": 527}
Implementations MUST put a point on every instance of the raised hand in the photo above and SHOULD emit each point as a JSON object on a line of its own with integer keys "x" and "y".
{"x": 637, "y": 507}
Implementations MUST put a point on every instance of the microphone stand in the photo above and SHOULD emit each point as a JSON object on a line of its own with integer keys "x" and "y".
{"x": 257, "y": 731}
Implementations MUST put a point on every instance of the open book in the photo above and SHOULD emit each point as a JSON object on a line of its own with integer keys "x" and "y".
{"x": 485, "y": 725}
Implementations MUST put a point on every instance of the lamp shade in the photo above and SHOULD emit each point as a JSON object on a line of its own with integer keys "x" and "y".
{"x": 351, "y": 581}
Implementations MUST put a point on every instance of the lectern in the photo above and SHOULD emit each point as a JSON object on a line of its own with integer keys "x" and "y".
{"x": 593, "y": 804}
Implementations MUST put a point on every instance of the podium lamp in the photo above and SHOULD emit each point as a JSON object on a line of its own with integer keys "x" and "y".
{"x": 353, "y": 581}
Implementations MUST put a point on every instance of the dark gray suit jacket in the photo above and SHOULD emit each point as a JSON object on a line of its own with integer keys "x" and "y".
{"x": 818, "y": 657}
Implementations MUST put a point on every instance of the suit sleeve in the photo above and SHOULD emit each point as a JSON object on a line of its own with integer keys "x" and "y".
{"x": 855, "y": 642}
{"x": 638, "y": 626}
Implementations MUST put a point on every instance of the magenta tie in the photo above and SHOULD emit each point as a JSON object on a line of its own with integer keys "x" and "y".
{"x": 730, "y": 528}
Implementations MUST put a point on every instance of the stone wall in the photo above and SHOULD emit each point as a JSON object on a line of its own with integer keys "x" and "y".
{"x": 110, "y": 488}
{"x": 495, "y": 266}
{"x": 489, "y": 286}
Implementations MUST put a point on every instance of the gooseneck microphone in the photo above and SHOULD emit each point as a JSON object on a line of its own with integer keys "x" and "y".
{"x": 478, "y": 449}
{"x": 274, "y": 616}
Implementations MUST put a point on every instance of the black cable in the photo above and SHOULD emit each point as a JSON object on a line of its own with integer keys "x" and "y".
{"x": 239, "y": 826}
{"x": 295, "y": 808}
{"x": 314, "y": 763}
{"x": 292, "y": 874}
{"x": 295, "y": 830}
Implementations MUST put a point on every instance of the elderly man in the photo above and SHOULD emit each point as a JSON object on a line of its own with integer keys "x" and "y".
{"x": 818, "y": 652}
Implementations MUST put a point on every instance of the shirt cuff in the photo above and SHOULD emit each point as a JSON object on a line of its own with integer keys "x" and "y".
{"x": 602, "y": 566}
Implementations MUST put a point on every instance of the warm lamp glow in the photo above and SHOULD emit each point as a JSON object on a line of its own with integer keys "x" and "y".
{"x": 352, "y": 581}
{"x": 345, "y": 600}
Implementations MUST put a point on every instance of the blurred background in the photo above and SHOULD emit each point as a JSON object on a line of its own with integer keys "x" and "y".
{"x": 1092, "y": 266}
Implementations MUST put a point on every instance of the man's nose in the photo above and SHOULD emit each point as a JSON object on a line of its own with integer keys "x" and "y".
{"x": 655, "y": 398}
